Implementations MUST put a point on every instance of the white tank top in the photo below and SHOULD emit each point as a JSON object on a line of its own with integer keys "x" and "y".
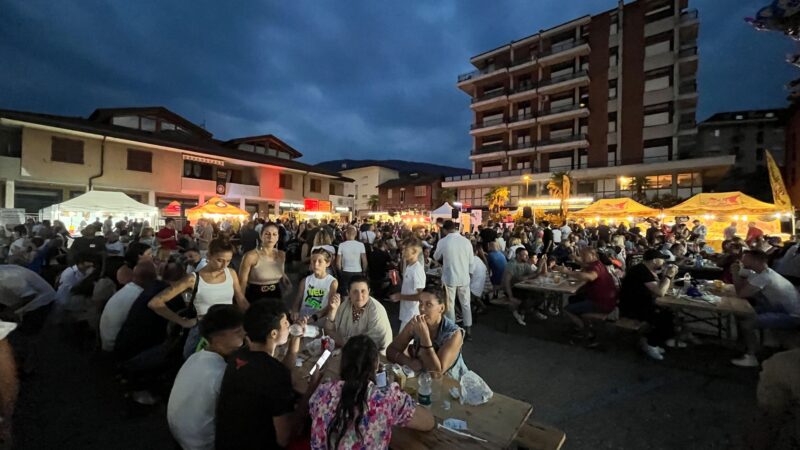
{"x": 209, "y": 295}
{"x": 316, "y": 294}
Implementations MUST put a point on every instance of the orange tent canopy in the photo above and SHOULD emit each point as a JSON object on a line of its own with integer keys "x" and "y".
{"x": 215, "y": 206}
{"x": 615, "y": 208}
{"x": 721, "y": 203}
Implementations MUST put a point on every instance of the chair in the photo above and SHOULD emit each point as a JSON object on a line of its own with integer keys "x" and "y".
{"x": 537, "y": 436}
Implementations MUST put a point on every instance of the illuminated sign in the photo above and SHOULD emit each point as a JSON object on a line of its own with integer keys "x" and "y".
{"x": 200, "y": 159}
{"x": 290, "y": 205}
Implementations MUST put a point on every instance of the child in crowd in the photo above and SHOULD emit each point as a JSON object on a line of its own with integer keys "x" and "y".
{"x": 413, "y": 283}
{"x": 312, "y": 299}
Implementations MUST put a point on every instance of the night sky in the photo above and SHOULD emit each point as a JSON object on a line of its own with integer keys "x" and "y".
{"x": 335, "y": 79}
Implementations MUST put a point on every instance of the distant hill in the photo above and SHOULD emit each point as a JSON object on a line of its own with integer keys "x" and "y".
{"x": 401, "y": 166}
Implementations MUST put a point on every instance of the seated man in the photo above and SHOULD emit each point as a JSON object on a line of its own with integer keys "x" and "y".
{"x": 257, "y": 406}
{"x": 437, "y": 341}
{"x": 600, "y": 291}
{"x": 637, "y": 300}
{"x": 193, "y": 400}
{"x": 359, "y": 314}
{"x": 521, "y": 269}
{"x": 777, "y": 303}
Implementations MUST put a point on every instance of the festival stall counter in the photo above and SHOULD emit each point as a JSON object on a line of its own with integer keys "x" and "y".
{"x": 718, "y": 210}
{"x": 98, "y": 204}
{"x": 216, "y": 209}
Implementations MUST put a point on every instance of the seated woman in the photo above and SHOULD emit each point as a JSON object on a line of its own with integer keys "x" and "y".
{"x": 437, "y": 341}
{"x": 353, "y": 412}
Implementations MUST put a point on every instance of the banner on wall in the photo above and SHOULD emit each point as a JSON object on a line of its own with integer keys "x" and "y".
{"x": 222, "y": 182}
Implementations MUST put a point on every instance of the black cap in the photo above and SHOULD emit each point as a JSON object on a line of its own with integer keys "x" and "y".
{"x": 652, "y": 254}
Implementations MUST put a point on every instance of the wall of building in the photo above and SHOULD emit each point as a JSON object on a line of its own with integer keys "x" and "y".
{"x": 747, "y": 141}
{"x": 366, "y": 180}
{"x": 425, "y": 202}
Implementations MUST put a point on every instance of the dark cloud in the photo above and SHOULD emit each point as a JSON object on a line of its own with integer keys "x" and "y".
{"x": 358, "y": 79}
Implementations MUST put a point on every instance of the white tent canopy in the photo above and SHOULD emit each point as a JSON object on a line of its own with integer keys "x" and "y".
{"x": 444, "y": 211}
{"x": 98, "y": 204}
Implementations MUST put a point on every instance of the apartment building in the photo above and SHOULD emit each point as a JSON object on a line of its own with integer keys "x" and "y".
{"x": 365, "y": 184}
{"x": 746, "y": 135}
{"x": 153, "y": 155}
{"x": 606, "y": 97}
{"x": 412, "y": 191}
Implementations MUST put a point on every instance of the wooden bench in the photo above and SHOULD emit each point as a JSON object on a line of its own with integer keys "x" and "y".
{"x": 537, "y": 436}
{"x": 614, "y": 320}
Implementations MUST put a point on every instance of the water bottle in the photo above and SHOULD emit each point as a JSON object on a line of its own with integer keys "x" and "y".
{"x": 424, "y": 391}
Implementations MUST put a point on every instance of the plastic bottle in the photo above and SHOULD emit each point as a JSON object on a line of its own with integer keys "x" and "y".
{"x": 424, "y": 391}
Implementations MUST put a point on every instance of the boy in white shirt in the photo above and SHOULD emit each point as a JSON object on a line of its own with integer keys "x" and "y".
{"x": 413, "y": 284}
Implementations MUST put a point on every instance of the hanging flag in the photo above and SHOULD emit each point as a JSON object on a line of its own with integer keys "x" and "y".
{"x": 779, "y": 195}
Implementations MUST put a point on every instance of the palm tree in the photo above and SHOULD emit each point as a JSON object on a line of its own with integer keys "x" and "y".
{"x": 373, "y": 201}
{"x": 447, "y": 195}
{"x": 637, "y": 187}
{"x": 497, "y": 199}
{"x": 559, "y": 187}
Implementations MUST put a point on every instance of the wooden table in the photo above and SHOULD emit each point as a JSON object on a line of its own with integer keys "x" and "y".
{"x": 728, "y": 307}
{"x": 498, "y": 421}
{"x": 710, "y": 272}
{"x": 567, "y": 287}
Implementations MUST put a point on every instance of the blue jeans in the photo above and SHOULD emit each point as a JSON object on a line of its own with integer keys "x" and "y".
{"x": 768, "y": 316}
{"x": 191, "y": 342}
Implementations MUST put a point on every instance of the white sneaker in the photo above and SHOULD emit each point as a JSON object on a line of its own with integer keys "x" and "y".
{"x": 672, "y": 343}
{"x": 652, "y": 352}
{"x": 660, "y": 350}
{"x": 747, "y": 360}
{"x": 540, "y": 315}
{"x": 519, "y": 317}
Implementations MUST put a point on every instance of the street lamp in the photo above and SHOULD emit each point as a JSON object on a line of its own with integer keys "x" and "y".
{"x": 527, "y": 179}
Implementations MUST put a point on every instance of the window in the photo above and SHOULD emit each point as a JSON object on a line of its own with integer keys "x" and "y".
{"x": 716, "y": 132}
{"x": 420, "y": 191}
{"x": 612, "y": 155}
{"x": 236, "y": 176}
{"x": 657, "y": 150}
{"x": 126, "y": 121}
{"x": 612, "y": 89}
{"x": 658, "y": 44}
{"x": 402, "y": 195}
{"x": 689, "y": 184}
{"x": 389, "y": 193}
{"x": 148, "y": 124}
{"x": 606, "y": 187}
{"x": 658, "y": 79}
{"x": 613, "y": 56}
{"x": 140, "y": 161}
{"x": 197, "y": 170}
{"x": 10, "y": 142}
{"x": 614, "y": 27}
{"x": 331, "y": 189}
{"x": 166, "y": 126}
{"x": 66, "y": 150}
{"x": 315, "y": 185}
{"x": 612, "y": 122}
{"x": 285, "y": 181}
{"x": 657, "y": 115}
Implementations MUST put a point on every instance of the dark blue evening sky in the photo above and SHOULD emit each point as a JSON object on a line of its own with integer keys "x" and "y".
{"x": 335, "y": 79}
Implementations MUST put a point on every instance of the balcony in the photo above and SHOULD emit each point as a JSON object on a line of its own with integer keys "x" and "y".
{"x": 489, "y": 149}
{"x": 197, "y": 186}
{"x": 486, "y": 126}
{"x": 687, "y": 59}
{"x": 687, "y": 52}
{"x": 524, "y": 63}
{"x": 687, "y": 93}
{"x": 687, "y": 127}
{"x": 523, "y": 91}
{"x": 243, "y": 190}
{"x": 489, "y": 96}
{"x": 553, "y": 84}
{"x": 522, "y": 120}
{"x": 561, "y": 112}
{"x": 481, "y": 73}
{"x": 563, "y": 48}
{"x": 488, "y": 175}
{"x": 573, "y": 140}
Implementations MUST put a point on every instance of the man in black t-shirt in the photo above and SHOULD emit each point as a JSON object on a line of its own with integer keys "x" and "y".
{"x": 604, "y": 232}
{"x": 258, "y": 407}
{"x": 637, "y": 299}
{"x": 488, "y": 234}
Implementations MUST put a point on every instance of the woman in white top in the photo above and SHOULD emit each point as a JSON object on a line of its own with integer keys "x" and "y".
{"x": 217, "y": 284}
{"x": 312, "y": 299}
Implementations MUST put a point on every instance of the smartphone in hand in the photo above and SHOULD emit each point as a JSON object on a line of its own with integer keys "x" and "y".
{"x": 320, "y": 362}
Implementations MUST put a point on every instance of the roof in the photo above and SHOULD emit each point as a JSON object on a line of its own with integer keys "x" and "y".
{"x": 96, "y": 202}
{"x": 408, "y": 180}
{"x": 721, "y": 203}
{"x": 402, "y": 166}
{"x": 616, "y": 207}
{"x": 265, "y": 137}
{"x": 748, "y": 114}
{"x": 176, "y": 140}
{"x": 106, "y": 114}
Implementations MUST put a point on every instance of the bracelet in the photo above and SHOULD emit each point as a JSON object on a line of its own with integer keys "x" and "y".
{"x": 425, "y": 346}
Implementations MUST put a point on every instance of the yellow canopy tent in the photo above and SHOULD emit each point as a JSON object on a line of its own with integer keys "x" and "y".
{"x": 615, "y": 209}
{"x": 215, "y": 208}
{"x": 717, "y": 210}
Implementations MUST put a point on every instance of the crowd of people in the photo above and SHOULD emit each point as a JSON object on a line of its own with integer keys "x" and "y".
{"x": 200, "y": 314}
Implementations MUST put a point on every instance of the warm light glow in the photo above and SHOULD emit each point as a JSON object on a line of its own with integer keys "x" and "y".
{"x": 377, "y": 213}
{"x": 546, "y": 201}
{"x": 744, "y": 218}
{"x": 736, "y": 217}
{"x": 630, "y": 218}
{"x": 526, "y": 177}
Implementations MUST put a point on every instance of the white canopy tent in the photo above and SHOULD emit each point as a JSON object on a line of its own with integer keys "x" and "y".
{"x": 445, "y": 212}
{"x": 98, "y": 204}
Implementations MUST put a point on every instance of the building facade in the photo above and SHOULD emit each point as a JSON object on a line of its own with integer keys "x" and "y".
{"x": 153, "y": 155}
{"x": 420, "y": 192}
{"x": 746, "y": 135}
{"x": 365, "y": 184}
{"x": 607, "y": 98}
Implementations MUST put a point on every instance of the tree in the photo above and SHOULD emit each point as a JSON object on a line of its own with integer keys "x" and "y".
{"x": 559, "y": 187}
{"x": 373, "y": 201}
{"x": 637, "y": 187}
{"x": 497, "y": 199}
{"x": 447, "y": 195}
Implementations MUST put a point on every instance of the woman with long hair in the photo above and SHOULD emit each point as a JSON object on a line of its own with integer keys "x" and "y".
{"x": 263, "y": 269}
{"x": 216, "y": 283}
{"x": 354, "y": 412}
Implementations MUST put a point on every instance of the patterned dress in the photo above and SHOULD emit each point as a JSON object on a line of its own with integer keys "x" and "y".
{"x": 386, "y": 408}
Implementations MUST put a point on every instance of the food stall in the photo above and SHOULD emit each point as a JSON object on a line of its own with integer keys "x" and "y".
{"x": 718, "y": 210}
{"x": 315, "y": 209}
{"x": 216, "y": 209}
{"x": 614, "y": 211}
{"x": 98, "y": 204}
